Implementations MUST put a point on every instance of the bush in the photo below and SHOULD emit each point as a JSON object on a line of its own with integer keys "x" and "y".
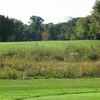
{"x": 13, "y": 74}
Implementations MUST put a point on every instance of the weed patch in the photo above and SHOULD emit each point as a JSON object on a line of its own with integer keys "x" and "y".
{"x": 71, "y": 62}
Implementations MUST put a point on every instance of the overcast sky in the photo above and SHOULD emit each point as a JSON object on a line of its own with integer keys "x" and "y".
{"x": 55, "y": 11}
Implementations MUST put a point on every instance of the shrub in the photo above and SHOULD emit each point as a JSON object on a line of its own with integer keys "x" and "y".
{"x": 58, "y": 58}
{"x": 13, "y": 74}
{"x": 93, "y": 56}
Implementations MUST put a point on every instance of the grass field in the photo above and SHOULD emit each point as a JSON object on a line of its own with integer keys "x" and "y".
{"x": 46, "y": 77}
{"x": 49, "y": 44}
{"x": 84, "y": 96}
{"x": 50, "y": 89}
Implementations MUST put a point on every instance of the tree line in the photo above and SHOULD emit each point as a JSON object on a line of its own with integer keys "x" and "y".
{"x": 80, "y": 28}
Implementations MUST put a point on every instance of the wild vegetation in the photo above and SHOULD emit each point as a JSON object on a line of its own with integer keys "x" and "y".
{"x": 41, "y": 61}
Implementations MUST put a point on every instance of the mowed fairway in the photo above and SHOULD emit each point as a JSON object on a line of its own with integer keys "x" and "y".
{"x": 50, "y": 89}
{"x": 48, "y": 44}
{"x": 84, "y": 96}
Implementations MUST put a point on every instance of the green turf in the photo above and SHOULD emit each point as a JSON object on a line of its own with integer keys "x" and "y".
{"x": 47, "y": 89}
{"x": 84, "y": 96}
{"x": 49, "y": 44}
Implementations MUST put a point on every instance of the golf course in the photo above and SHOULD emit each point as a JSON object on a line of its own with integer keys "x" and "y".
{"x": 50, "y": 70}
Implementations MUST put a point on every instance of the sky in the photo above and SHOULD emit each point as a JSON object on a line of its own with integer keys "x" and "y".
{"x": 52, "y": 11}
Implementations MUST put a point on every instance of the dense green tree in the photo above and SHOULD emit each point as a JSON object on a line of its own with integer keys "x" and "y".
{"x": 80, "y": 28}
{"x": 70, "y": 30}
{"x": 26, "y": 33}
{"x": 51, "y": 33}
{"x": 36, "y": 27}
{"x": 33, "y": 34}
{"x": 6, "y": 28}
{"x": 66, "y": 30}
{"x": 92, "y": 29}
{"x": 96, "y": 18}
{"x": 36, "y": 20}
{"x": 83, "y": 28}
{"x": 18, "y": 30}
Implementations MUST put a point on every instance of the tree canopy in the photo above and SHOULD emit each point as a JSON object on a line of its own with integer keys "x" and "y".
{"x": 6, "y": 28}
{"x": 74, "y": 29}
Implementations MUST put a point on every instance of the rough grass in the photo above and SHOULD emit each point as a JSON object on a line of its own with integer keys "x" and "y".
{"x": 47, "y": 89}
{"x": 73, "y": 61}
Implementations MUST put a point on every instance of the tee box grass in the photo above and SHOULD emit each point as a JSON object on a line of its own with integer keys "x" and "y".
{"x": 50, "y": 89}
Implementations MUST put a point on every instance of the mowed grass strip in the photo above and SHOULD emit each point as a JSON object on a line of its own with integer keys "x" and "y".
{"x": 84, "y": 96}
{"x": 49, "y": 44}
{"x": 49, "y": 88}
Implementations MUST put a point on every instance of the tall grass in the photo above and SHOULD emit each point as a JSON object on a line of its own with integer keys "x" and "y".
{"x": 72, "y": 62}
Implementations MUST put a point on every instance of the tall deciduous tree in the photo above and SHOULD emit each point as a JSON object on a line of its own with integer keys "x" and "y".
{"x": 83, "y": 27}
{"x": 6, "y": 28}
{"x": 35, "y": 27}
{"x": 96, "y": 18}
{"x": 51, "y": 33}
{"x": 18, "y": 30}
